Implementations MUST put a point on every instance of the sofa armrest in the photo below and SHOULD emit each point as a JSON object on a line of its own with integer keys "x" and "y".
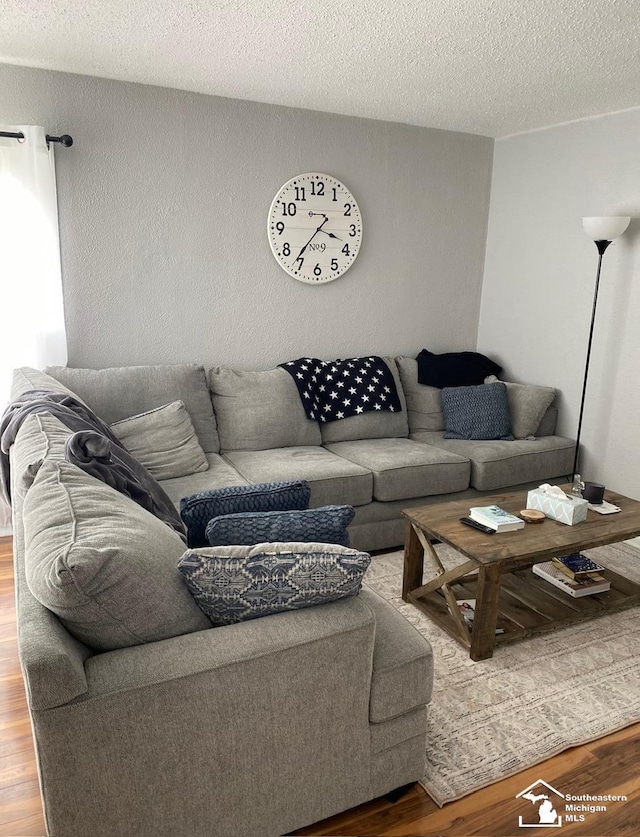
{"x": 146, "y": 665}
{"x": 253, "y": 729}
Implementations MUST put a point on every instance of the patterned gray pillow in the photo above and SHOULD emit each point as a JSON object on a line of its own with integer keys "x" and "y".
{"x": 477, "y": 412}
{"x": 236, "y": 583}
{"x": 327, "y": 524}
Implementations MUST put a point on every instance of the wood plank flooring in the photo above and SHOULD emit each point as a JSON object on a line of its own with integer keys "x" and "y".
{"x": 608, "y": 766}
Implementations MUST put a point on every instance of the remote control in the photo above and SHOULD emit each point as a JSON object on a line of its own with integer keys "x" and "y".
{"x": 471, "y": 522}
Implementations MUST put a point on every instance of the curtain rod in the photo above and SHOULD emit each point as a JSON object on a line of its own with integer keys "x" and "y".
{"x": 65, "y": 139}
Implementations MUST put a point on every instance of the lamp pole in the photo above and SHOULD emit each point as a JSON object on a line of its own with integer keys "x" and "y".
{"x": 602, "y": 229}
{"x": 602, "y": 246}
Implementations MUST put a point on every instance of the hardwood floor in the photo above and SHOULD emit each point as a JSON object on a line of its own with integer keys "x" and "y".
{"x": 608, "y": 766}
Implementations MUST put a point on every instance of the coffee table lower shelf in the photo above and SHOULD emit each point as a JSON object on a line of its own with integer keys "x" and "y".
{"x": 529, "y": 605}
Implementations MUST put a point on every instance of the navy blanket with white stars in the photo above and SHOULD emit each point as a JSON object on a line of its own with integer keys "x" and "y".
{"x": 332, "y": 390}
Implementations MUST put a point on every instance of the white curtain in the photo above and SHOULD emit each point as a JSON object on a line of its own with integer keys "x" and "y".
{"x": 32, "y": 329}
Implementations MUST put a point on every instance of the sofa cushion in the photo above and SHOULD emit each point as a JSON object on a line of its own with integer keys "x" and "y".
{"x": 164, "y": 441}
{"x": 332, "y": 479}
{"x": 40, "y": 437}
{"x": 26, "y": 379}
{"x": 372, "y": 425}
{"x": 327, "y": 524}
{"x": 103, "y": 564}
{"x": 236, "y": 583}
{"x": 198, "y": 509}
{"x": 259, "y": 410}
{"x": 496, "y": 464}
{"x": 476, "y": 412}
{"x": 424, "y": 403}
{"x": 219, "y": 474}
{"x": 404, "y": 468}
{"x": 118, "y": 393}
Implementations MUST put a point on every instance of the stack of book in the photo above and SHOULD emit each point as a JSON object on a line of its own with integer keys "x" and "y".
{"x": 576, "y": 574}
{"x": 496, "y": 518}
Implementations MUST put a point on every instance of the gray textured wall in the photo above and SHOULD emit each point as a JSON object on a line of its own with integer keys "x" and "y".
{"x": 540, "y": 277}
{"x": 163, "y": 207}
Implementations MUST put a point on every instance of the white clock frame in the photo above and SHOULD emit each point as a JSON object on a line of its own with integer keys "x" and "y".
{"x": 307, "y": 247}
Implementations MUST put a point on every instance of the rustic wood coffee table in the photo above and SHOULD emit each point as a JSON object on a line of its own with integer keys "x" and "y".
{"x": 497, "y": 570}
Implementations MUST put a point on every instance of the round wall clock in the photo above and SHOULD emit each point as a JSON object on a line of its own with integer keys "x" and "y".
{"x": 315, "y": 228}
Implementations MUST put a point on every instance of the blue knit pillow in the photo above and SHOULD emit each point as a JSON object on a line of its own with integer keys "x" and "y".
{"x": 327, "y": 524}
{"x": 198, "y": 509}
{"x": 235, "y": 583}
{"x": 477, "y": 412}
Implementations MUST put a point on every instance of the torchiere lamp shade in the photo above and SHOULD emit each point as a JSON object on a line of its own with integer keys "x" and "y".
{"x": 605, "y": 227}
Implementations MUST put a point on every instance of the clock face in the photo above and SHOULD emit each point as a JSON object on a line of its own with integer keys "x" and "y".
{"x": 315, "y": 228}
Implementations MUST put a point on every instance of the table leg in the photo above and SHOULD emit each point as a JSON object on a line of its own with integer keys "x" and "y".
{"x": 483, "y": 636}
{"x": 413, "y": 562}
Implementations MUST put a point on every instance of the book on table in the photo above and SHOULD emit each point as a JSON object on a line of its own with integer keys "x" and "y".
{"x": 576, "y": 587}
{"x": 577, "y": 565}
{"x": 467, "y": 608}
{"x": 496, "y": 518}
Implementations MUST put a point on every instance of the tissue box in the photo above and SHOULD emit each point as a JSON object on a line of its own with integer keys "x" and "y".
{"x": 569, "y": 510}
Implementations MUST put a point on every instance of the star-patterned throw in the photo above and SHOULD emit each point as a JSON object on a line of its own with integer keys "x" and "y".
{"x": 332, "y": 390}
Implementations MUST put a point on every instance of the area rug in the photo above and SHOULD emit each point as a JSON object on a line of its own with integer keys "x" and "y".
{"x": 534, "y": 698}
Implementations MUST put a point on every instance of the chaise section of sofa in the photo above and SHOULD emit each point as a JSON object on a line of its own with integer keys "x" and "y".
{"x": 257, "y": 728}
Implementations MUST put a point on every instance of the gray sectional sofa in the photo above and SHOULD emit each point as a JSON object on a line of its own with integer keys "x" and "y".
{"x": 266, "y": 726}
{"x": 253, "y": 429}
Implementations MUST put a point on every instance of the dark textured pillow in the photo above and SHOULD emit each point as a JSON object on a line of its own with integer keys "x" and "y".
{"x": 454, "y": 369}
{"x": 235, "y": 583}
{"x": 327, "y": 524}
{"x": 480, "y": 412}
{"x": 198, "y": 509}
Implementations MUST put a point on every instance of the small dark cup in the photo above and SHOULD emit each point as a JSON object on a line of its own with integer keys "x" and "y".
{"x": 593, "y": 492}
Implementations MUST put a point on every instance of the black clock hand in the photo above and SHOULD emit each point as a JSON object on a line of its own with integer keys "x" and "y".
{"x": 331, "y": 235}
{"x": 315, "y": 233}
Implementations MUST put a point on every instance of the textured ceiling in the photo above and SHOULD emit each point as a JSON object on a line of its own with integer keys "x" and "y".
{"x": 493, "y": 67}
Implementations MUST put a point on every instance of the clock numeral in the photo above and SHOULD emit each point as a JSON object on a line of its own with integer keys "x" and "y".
{"x": 317, "y": 187}
{"x": 335, "y": 193}
{"x": 317, "y": 270}
{"x": 300, "y": 193}
{"x": 346, "y": 250}
{"x": 352, "y": 227}
{"x": 286, "y": 250}
{"x": 280, "y": 227}
{"x": 289, "y": 208}
{"x": 347, "y": 209}
{"x": 299, "y": 262}
{"x": 334, "y": 264}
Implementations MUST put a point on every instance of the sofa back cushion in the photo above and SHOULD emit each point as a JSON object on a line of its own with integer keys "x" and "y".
{"x": 424, "y": 403}
{"x": 103, "y": 564}
{"x": 259, "y": 410}
{"x": 41, "y": 438}
{"x": 125, "y": 391}
{"x": 377, "y": 424}
{"x": 25, "y": 379}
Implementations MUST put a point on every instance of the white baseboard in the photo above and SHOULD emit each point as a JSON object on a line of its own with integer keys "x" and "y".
{"x": 5, "y": 531}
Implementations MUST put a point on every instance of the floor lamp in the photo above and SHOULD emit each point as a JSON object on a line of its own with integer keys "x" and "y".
{"x": 602, "y": 229}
